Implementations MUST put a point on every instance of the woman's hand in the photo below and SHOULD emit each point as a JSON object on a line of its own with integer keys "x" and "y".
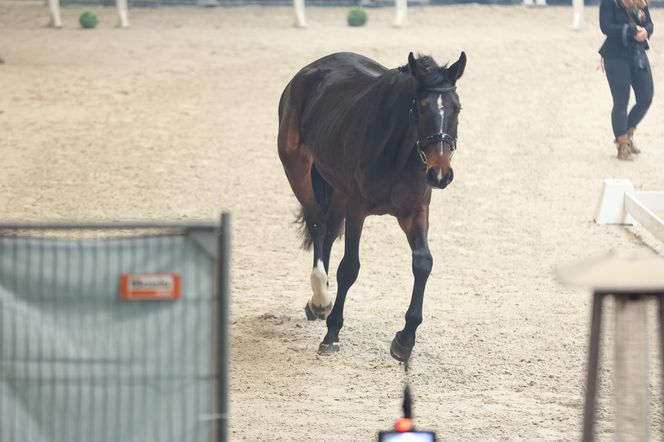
{"x": 641, "y": 34}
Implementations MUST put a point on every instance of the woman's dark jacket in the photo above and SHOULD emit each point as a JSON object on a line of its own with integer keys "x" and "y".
{"x": 614, "y": 23}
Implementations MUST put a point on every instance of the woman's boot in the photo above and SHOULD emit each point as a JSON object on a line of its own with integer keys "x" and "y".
{"x": 624, "y": 148}
{"x": 632, "y": 145}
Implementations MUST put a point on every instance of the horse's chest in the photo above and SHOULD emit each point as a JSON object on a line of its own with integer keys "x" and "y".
{"x": 399, "y": 198}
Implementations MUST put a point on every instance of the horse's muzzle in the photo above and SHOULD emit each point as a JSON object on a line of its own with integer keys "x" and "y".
{"x": 442, "y": 182}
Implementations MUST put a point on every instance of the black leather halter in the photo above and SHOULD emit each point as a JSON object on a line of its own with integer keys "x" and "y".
{"x": 438, "y": 137}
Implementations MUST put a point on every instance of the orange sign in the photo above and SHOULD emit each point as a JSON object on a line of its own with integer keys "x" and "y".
{"x": 150, "y": 286}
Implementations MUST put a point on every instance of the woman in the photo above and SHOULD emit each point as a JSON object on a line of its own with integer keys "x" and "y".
{"x": 627, "y": 26}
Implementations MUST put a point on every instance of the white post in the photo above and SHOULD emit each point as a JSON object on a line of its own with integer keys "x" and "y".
{"x": 299, "y": 13}
{"x": 611, "y": 204}
{"x": 54, "y": 8}
{"x": 577, "y": 5}
{"x": 123, "y": 13}
{"x": 401, "y": 18}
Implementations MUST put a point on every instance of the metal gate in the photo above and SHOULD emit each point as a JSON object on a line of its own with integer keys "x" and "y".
{"x": 114, "y": 332}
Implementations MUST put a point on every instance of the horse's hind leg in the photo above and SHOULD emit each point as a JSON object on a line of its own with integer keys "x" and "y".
{"x": 323, "y": 240}
{"x": 298, "y": 165}
{"x": 320, "y": 305}
{"x": 335, "y": 216}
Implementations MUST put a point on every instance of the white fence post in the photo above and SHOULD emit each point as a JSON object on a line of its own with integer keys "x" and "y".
{"x": 123, "y": 13}
{"x": 401, "y": 18}
{"x": 578, "y": 14}
{"x": 299, "y": 13}
{"x": 611, "y": 205}
{"x": 54, "y": 8}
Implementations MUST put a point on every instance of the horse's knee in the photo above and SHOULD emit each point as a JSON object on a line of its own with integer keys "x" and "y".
{"x": 422, "y": 263}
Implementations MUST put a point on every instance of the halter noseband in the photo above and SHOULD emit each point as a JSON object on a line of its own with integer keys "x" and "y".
{"x": 438, "y": 137}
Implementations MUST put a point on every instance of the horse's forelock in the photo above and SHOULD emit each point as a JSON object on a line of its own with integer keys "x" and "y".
{"x": 427, "y": 63}
{"x": 430, "y": 73}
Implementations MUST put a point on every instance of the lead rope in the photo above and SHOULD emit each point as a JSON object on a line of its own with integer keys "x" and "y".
{"x": 407, "y": 398}
{"x": 405, "y": 424}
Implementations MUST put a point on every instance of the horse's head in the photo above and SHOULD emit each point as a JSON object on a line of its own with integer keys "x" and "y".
{"x": 435, "y": 112}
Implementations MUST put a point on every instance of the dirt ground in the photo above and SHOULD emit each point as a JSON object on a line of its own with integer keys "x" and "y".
{"x": 177, "y": 118}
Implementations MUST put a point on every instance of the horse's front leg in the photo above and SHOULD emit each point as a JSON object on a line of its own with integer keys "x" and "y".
{"x": 346, "y": 276}
{"x": 416, "y": 227}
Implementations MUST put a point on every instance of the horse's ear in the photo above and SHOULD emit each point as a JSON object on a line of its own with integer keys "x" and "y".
{"x": 456, "y": 70}
{"x": 412, "y": 64}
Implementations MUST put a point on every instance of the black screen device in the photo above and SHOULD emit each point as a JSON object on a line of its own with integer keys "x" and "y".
{"x": 409, "y": 436}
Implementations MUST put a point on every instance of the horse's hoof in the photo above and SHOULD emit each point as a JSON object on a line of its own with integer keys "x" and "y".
{"x": 314, "y": 312}
{"x": 400, "y": 352}
{"x": 328, "y": 349}
{"x": 311, "y": 316}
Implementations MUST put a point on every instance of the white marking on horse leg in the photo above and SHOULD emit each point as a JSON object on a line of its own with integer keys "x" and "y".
{"x": 321, "y": 297}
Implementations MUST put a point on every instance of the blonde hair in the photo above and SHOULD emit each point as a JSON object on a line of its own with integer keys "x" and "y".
{"x": 634, "y": 4}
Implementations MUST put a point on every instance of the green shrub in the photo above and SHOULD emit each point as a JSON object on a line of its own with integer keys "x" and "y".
{"x": 88, "y": 20}
{"x": 357, "y": 17}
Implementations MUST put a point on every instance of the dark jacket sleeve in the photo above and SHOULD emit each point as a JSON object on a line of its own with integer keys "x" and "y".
{"x": 609, "y": 27}
{"x": 648, "y": 25}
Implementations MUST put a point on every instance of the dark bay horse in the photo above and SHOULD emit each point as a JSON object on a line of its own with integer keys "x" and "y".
{"x": 358, "y": 139}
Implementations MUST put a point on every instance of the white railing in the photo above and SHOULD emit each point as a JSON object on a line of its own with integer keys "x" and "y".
{"x": 621, "y": 204}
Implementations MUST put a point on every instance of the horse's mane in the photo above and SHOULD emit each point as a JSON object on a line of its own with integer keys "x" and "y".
{"x": 386, "y": 107}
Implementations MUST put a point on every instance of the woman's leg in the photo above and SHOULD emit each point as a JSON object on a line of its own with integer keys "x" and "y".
{"x": 618, "y": 75}
{"x": 643, "y": 92}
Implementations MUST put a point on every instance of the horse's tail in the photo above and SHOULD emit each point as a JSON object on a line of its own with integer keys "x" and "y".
{"x": 303, "y": 230}
{"x": 335, "y": 227}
